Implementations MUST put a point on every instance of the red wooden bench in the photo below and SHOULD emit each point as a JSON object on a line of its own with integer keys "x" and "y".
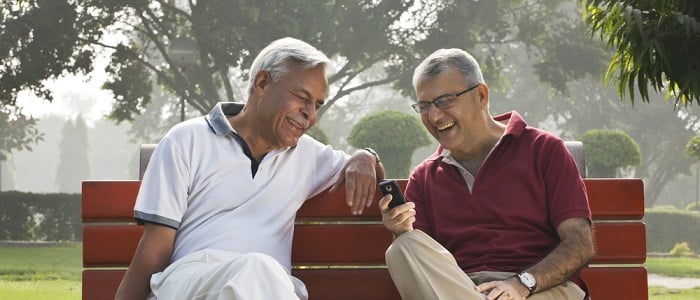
{"x": 341, "y": 256}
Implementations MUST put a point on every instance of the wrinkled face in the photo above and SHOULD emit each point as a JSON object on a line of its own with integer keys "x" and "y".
{"x": 459, "y": 125}
{"x": 289, "y": 105}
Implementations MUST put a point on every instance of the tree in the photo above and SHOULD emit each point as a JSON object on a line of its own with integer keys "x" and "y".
{"x": 74, "y": 165}
{"x": 56, "y": 37}
{"x": 606, "y": 150}
{"x": 655, "y": 44}
{"x": 394, "y": 135}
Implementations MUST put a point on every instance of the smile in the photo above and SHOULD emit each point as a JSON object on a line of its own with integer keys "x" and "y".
{"x": 445, "y": 126}
{"x": 296, "y": 124}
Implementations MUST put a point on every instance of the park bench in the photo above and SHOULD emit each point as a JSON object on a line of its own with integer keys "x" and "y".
{"x": 341, "y": 256}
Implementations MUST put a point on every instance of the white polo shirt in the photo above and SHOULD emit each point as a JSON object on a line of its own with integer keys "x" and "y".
{"x": 199, "y": 181}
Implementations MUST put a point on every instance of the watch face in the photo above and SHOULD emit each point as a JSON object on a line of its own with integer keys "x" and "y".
{"x": 528, "y": 280}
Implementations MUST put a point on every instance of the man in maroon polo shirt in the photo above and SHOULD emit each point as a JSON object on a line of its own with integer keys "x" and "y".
{"x": 499, "y": 210}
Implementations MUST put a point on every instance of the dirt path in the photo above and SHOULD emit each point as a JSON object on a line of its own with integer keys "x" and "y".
{"x": 673, "y": 282}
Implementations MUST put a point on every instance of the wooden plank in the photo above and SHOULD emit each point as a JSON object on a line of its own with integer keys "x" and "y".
{"x": 606, "y": 283}
{"x": 340, "y": 244}
{"x": 616, "y": 198}
{"x": 365, "y": 244}
{"x": 101, "y": 284}
{"x": 620, "y": 243}
{"x": 106, "y": 246}
{"x": 350, "y": 284}
{"x": 622, "y": 283}
{"x": 109, "y": 200}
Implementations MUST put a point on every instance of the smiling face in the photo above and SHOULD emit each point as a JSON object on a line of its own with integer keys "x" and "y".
{"x": 461, "y": 126}
{"x": 287, "y": 108}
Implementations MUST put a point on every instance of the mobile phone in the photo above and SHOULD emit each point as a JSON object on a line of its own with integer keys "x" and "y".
{"x": 392, "y": 187}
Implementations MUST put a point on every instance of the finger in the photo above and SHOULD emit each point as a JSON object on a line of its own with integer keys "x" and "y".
{"x": 486, "y": 286}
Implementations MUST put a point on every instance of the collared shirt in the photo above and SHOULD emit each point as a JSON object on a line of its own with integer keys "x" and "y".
{"x": 199, "y": 182}
{"x": 526, "y": 187}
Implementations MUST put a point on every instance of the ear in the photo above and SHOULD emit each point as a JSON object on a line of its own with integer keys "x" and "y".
{"x": 262, "y": 80}
{"x": 483, "y": 91}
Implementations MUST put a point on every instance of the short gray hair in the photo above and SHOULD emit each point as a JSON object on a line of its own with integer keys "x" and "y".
{"x": 444, "y": 60}
{"x": 279, "y": 55}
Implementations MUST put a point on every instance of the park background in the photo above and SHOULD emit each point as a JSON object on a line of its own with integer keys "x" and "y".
{"x": 538, "y": 58}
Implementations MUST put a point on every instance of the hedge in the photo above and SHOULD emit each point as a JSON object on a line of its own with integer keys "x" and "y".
{"x": 40, "y": 217}
{"x": 665, "y": 228}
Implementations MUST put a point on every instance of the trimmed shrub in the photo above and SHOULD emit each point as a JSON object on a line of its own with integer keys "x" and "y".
{"x": 666, "y": 228}
{"x": 40, "y": 217}
{"x": 606, "y": 150}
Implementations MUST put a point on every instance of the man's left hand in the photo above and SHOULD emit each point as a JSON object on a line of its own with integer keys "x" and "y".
{"x": 508, "y": 289}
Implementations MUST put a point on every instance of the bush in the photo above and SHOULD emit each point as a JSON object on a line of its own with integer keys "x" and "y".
{"x": 681, "y": 250}
{"x": 606, "y": 150}
{"x": 693, "y": 207}
{"x": 40, "y": 217}
{"x": 667, "y": 228}
{"x": 394, "y": 135}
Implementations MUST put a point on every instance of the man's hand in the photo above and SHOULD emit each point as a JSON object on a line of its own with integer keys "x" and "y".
{"x": 360, "y": 175}
{"x": 398, "y": 219}
{"x": 508, "y": 289}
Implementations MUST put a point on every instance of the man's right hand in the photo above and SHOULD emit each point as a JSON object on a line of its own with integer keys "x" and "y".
{"x": 399, "y": 219}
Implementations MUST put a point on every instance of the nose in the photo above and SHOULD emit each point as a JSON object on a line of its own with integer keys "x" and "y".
{"x": 434, "y": 113}
{"x": 309, "y": 111}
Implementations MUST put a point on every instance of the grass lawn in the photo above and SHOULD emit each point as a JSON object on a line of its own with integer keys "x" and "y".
{"x": 674, "y": 267}
{"x": 659, "y": 293}
{"x": 53, "y": 272}
{"x": 46, "y": 272}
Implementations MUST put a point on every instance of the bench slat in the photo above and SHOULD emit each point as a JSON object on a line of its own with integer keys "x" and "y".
{"x": 101, "y": 284}
{"x": 348, "y": 244}
{"x": 109, "y": 200}
{"x": 617, "y": 282}
{"x": 610, "y": 199}
{"x": 110, "y": 246}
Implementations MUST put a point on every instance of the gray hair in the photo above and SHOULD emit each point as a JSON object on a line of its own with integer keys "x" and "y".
{"x": 444, "y": 60}
{"x": 279, "y": 55}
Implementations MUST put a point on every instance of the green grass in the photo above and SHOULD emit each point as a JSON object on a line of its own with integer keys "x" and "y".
{"x": 53, "y": 272}
{"x": 40, "y": 289}
{"x": 674, "y": 266}
{"x": 27, "y": 263}
{"x": 46, "y": 272}
{"x": 659, "y": 293}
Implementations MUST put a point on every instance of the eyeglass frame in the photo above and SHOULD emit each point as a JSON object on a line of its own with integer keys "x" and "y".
{"x": 441, "y": 102}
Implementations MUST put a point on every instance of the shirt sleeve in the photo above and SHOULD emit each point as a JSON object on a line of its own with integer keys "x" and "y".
{"x": 162, "y": 197}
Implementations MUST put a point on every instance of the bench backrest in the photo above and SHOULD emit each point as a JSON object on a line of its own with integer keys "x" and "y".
{"x": 341, "y": 256}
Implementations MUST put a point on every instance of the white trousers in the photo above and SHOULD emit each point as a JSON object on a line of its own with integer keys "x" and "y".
{"x": 214, "y": 274}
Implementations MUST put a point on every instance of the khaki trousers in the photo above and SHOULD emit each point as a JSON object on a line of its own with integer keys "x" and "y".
{"x": 422, "y": 269}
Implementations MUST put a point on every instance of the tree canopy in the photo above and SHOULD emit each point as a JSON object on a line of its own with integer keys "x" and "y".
{"x": 656, "y": 44}
{"x": 41, "y": 40}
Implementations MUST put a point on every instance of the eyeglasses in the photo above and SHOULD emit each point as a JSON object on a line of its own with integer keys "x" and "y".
{"x": 442, "y": 102}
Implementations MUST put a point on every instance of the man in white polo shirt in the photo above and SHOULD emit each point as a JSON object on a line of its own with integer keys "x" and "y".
{"x": 220, "y": 193}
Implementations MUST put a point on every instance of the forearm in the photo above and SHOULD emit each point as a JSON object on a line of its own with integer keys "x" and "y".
{"x": 573, "y": 252}
{"x": 152, "y": 256}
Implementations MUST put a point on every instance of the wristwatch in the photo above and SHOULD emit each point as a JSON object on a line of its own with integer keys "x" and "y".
{"x": 374, "y": 153}
{"x": 528, "y": 281}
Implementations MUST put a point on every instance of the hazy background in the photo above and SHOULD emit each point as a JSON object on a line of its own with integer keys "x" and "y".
{"x": 80, "y": 143}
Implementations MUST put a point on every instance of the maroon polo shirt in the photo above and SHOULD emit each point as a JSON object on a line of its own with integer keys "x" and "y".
{"x": 526, "y": 187}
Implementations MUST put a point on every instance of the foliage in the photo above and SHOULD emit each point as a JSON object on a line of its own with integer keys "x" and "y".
{"x": 665, "y": 229}
{"x": 73, "y": 165}
{"x": 225, "y": 35}
{"x": 394, "y": 135}
{"x": 692, "y": 149}
{"x": 653, "y": 42}
{"x": 17, "y": 131}
{"x": 317, "y": 133}
{"x": 681, "y": 249}
{"x": 40, "y": 217}
{"x": 606, "y": 150}
{"x": 693, "y": 207}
